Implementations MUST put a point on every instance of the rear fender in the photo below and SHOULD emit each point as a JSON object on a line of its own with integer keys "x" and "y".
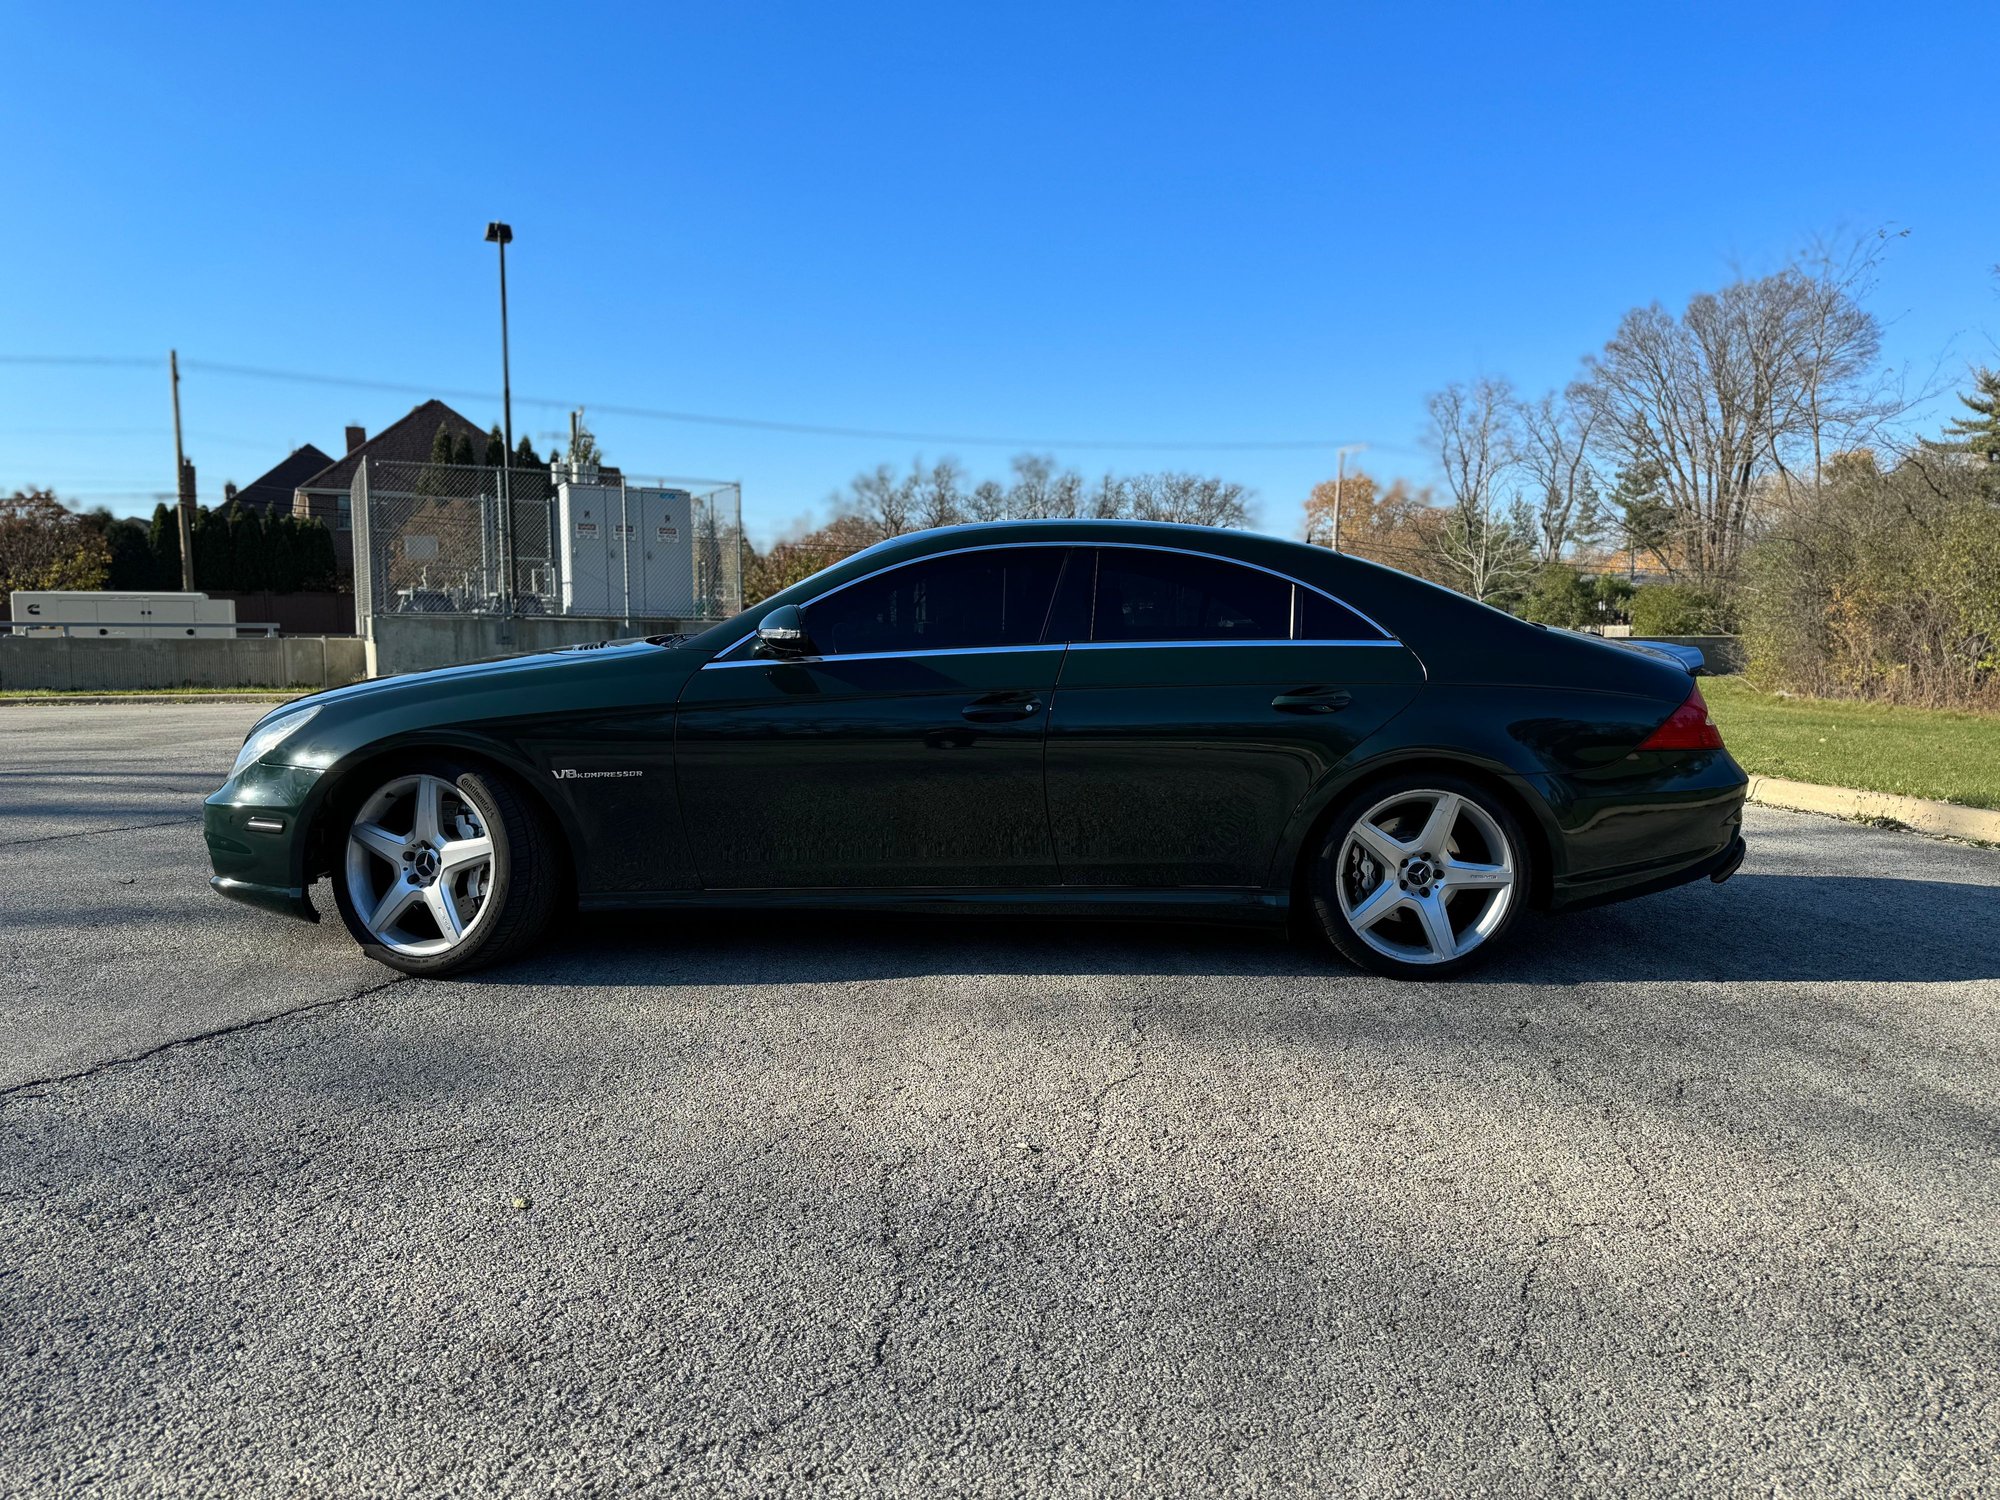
{"x": 1521, "y": 795}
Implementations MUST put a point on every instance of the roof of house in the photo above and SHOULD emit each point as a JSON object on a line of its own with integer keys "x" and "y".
{"x": 273, "y": 490}
{"x": 407, "y": 440}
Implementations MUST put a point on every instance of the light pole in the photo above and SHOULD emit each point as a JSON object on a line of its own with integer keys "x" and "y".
{"x": 183, "y": 501}
{"x": 1339, "y": 477}
{"x": 503, "y": 235}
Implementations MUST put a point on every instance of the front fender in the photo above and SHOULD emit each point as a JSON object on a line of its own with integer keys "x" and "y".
{"x": 349, "y": 774}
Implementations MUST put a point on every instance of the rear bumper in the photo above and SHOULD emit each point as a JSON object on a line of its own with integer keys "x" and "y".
{"x": 1643, "y": 823}
{"x": 1717, "y": 867}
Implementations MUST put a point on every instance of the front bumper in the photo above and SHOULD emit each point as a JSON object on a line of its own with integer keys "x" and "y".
{"x": 290, "y": 901}
{"x": 256, "y": 826}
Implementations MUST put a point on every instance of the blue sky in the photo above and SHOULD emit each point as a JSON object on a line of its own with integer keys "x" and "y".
{"x": 1151, "y": 223}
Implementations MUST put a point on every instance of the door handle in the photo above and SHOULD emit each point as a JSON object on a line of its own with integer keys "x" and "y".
{"x": 1312, "y": 700}
{"x": 1001, "y": 708}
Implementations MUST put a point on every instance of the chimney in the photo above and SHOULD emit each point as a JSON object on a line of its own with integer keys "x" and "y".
{"x": 187, "y": 483}
{"x": 356, "y": 436}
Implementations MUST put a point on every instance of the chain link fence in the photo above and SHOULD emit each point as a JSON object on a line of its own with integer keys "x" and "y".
{"x": 464, "y": 539}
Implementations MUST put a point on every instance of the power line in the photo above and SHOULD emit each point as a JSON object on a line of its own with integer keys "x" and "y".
{"x": 125, "y": 361}
{"x": 710, "y": 419}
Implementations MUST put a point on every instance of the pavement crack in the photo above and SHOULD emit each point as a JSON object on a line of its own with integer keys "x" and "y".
{"x": 88, "y": 833}
{"x": 1095, "y": 1109}
{"x": 257, "y": 1023}
{"x": 1615, "y": 1125}
{"x": 895, "y": 1299}
{"x": 899, "y": 1277}
{"x": 1558, "y": 1455}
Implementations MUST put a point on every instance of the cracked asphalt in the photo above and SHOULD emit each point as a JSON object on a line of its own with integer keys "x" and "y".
{"x": 1692, "y": 1195}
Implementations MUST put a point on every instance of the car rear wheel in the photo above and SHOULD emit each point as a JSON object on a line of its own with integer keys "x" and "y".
{"x": 1420, "y": 877}
{"x": 444, "y": 867}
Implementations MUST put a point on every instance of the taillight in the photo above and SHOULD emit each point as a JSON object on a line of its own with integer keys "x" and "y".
{"x": 1687, "y": 728}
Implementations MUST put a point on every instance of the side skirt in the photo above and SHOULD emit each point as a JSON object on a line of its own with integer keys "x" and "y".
{"x": 1208, "y": 904}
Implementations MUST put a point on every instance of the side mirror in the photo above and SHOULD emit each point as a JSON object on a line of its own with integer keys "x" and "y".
{"x": 783, "y": 634}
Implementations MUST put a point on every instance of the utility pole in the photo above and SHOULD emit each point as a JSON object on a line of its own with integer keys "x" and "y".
{"x": 1339, "y": 477}
{"x": 181, "y": 501}
{"x": 501, "y": 234}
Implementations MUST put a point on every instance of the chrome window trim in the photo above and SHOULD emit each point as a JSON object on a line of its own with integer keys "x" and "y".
{"x": 794, "y": 661}
{"x": 1202, "y": 644}
{"x": 1388, "y": 637}
{"x": 800, "y": 661}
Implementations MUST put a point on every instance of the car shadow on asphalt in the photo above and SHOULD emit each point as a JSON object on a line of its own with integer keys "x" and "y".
{"x": 1866, "y": 929}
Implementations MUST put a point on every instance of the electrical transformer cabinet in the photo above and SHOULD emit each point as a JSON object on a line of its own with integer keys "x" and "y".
{"x": 618, "y": 539}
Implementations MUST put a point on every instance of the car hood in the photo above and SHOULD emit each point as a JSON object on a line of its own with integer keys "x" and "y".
{"x": 441, "y": 686}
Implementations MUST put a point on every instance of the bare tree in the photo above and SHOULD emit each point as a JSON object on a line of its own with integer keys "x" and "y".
{"x": 1030, "y": 495}
{"x": 1109, "y": 500}
{"x": 1483, "y": 548}
{"x": 938, "y": 500}
{"x": 989, "y": 501}
{"x": 1066, "y": 499}
{"x": 1551, "y": 443}
{"x": 1839, "y": 397}
{"x": 878, "y": 498}
{"x": 1767, "y": 376}
{"x": 936, "y": 495}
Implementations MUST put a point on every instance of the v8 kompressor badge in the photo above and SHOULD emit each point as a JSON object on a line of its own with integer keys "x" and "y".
{"x": 571, "y": 773}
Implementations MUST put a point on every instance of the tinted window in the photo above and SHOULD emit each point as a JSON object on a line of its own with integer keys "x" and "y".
{"x": 1069, "y": 618}
{"x": 1171, "y": 596}
{"x": 993, "y": 598}
{"x": 1321, "y": 619}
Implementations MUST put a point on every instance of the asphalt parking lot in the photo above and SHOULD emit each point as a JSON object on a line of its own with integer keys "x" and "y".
{"x": 1697, "y": 1194}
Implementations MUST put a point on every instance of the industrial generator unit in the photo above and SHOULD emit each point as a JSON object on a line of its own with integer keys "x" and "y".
{"x": 94, "y": 613}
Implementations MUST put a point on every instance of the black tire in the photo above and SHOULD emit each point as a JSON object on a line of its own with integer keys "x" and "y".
{"x": 1470, "y": 912}
{"x": 526, "y": 873}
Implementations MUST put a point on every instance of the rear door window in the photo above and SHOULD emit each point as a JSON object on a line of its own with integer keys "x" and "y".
{"x": 1144, "y": 595}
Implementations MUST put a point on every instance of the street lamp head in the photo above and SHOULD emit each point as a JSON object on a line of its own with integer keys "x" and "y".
{"x": 499, "y": 234}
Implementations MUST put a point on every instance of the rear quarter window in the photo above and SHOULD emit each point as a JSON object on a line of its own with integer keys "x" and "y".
{"x": 1324, "y": 619}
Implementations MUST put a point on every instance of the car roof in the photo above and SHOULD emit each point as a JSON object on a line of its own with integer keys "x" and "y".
{"x": 1456, "y": 638}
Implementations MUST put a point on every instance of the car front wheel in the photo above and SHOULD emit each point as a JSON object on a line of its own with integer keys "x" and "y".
{"x": 445, "y": 867}
{"x": 1420, "y": 877}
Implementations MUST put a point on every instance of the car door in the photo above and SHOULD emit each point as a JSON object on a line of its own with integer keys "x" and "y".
{"x": 905, "y": 750}
{"x": 1206, "y": 698}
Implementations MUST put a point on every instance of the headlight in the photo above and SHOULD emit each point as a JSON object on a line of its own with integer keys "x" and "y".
{"x": 267, "y": 737}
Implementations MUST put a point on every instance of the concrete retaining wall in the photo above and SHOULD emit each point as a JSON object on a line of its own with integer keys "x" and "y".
{"x": 416, "y": 643}
{"x": 59, "y": 665}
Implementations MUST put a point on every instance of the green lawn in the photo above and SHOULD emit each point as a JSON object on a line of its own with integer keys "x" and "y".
{"x": 1917, "y": 752}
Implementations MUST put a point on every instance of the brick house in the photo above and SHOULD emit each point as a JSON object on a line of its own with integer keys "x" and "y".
{"x": 271, "y": 493}
{"x": 327, "y": 493}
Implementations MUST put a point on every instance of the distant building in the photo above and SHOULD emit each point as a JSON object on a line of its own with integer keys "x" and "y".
{"x": 271, "y": 493}
{"x": 327, "y": 493}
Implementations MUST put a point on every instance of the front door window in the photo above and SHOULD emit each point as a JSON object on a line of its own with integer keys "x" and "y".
{"x": 966, "y": 601}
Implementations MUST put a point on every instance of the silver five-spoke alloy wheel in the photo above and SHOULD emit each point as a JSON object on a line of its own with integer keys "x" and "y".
{"x": 419, "y": 866}
{"x": 1425, "y": 876}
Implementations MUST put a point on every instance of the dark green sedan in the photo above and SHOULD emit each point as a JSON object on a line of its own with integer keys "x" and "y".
{"x": 1060, "y": 716}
